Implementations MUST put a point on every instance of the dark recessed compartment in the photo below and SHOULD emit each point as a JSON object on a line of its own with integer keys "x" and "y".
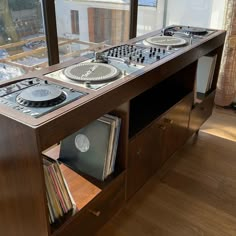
{"x": 151, "y": 104}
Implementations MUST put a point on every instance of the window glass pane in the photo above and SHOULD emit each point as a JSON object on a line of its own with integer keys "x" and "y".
{"x": 150, "y": 15}
{"x": 149, "y": 3}
{"x": 22, "y": 38}
{"x": 86, "y": 26}
{"x": 200, "y": 13}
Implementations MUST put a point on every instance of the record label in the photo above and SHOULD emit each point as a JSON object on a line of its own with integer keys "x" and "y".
{"x": 82, "y": 143}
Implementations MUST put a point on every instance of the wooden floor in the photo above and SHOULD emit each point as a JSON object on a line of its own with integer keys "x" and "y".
{"x": 195, "y": 193}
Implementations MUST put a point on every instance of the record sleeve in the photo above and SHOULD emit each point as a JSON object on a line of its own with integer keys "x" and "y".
{"x": 115, "y": 142}
{"x": 86, "y": 150}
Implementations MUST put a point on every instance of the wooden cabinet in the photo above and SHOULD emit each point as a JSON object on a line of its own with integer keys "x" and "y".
{"x": 154, "y": 104}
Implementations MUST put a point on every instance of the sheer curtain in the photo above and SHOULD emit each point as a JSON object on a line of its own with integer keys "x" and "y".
{"x": 226, "y": 88}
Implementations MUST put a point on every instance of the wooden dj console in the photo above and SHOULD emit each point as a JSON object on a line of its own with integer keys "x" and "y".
{"x": 150, "y": 82}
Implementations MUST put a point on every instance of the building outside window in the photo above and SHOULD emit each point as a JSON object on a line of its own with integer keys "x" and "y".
{"x": 99, "y": 23}
{"x": 74, "y": 21}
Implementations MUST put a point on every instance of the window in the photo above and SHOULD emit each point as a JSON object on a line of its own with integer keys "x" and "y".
{"x": 149, "y": 3}
{"x": 86, "y": 26}
{"x": 22, "y": 39}
{"x": 200, "y": 13}
{"x": 150, "y": 15}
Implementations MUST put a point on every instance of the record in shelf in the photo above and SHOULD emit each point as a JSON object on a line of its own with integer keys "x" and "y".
{"x": 92, "y": 149}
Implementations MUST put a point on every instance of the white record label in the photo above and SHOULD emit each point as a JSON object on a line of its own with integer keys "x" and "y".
{"x": 82, "y": 143}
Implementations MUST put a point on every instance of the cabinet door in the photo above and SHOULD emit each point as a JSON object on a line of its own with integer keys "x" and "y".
{"x": 177, "y": 120}
{"x": 201, "y": 113}
{"x": 145, "y": 153}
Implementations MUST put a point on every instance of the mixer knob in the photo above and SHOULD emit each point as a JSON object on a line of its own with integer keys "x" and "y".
{"x": 164, "y": 51}
{"x": 158, "y": 57}
{"x": 151, "y": 49}
{"x": 87, "y": 84}
{"x": 155, "y": 49}
{"x": 159, "y": 50}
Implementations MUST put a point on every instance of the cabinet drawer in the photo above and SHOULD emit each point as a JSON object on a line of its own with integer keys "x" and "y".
{"x": 201, "y": 113}
{"x": 99, "y": 211}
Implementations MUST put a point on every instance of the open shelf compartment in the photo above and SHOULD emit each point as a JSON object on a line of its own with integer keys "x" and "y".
{"x": 148, "y": 106}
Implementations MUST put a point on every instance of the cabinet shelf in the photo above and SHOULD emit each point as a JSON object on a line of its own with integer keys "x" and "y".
{"x": 54, "y": 154}
{"x": 95, "y": 205}
{"x": 84, "y": 189}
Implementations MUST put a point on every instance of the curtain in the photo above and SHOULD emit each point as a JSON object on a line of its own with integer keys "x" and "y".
{"x": 226, "y": 87}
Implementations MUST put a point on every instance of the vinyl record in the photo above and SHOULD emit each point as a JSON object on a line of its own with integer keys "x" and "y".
{"x": 92, "y": 72}
{"x": 86, "y": 150}
{"x": 166, "y": 41}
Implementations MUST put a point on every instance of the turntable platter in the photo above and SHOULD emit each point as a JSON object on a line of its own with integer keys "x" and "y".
{"x": 194, "y": 31}
{"x": 41, "y": 96}
{"x": 166, "y": 41}
{"x": 186, "y": 30}
{"x": 92, "y": 72}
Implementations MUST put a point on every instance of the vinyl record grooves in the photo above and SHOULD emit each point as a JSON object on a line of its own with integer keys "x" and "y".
{"x": 194, "y": 31}
{"x": 166, "y": 41}
{"x": 92, "y": 72}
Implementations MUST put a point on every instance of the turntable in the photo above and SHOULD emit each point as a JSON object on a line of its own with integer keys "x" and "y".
{"x": 174, "y": 38}
{"x": 94, "y": 75}
{"x": 36, "y": 97}
{"x": 166, "y": 41}
{"x": 92, "y": 72}
{"x": 186, "y": 31}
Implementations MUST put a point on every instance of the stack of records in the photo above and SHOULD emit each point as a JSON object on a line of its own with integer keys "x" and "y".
{"x": 92, "y": 150}
{"x": 59, "y": 198}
